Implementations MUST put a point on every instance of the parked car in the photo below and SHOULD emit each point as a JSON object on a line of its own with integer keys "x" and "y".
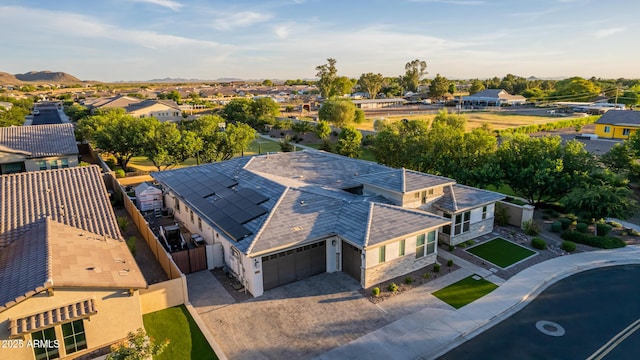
{"x": 36, "y": 112}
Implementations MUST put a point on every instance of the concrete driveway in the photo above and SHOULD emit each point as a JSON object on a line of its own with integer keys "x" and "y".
{"x": 300, "y": 320}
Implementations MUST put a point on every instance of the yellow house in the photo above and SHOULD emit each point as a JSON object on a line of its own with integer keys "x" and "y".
{"x": 618, "y": 124}
{"x": 68, "y": 282}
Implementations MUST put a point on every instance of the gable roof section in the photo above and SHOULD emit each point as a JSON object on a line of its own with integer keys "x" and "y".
{"x": 403, "y": 181}
{"x": 74, "y": 196}
{"x": 496, "y": 94}
{"x": 151, "y": 105}
{"x": 315, "y": 167}
{"x": 460, "y": 197}
{"x": 390, "y": 222}
{"x": 620, "y": 117}
{"x": 118, "y": 101}
{"x": 40, "y": 140}
{"x": 51, "y": 253}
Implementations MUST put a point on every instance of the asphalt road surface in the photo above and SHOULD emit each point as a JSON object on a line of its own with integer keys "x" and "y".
{"x": 598, "y": 311}
{"x": 48, "y": 114}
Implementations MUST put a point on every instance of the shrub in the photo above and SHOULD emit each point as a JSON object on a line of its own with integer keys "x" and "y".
{"x": 603, "y": 229}
{"x": 375, "y": 291}
{"x": 538, "y": 243}
{"x": 566, "y": 222}
{"x": 408, "y": 280}
{"x": 582, "y": 227}
{"x": 462, "y": 245}
{"x": 556, "y": 226}
{"x": 123, "y": 223}
{"x": 131, "y": 243}
{"x": 436, "y": 268}
{"x": 469, "y": 242}
{"x": 545, "y": 217}
{"x": 392, "y": 287}
{"x": 568, "y": 246}
{"x": 501, "y": 215}
{"x": 615, "y": 224}
{"x": 119, "y": 173}
{"x": 603, "y": 242}
{"x": 450, "y": 262}
{"x": 531, "y": 227}
{"x": 426, "y": 275}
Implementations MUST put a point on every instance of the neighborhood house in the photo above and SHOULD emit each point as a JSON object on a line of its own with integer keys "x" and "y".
{"x": 618, "y": 124}
{"x": 277, "y": 218}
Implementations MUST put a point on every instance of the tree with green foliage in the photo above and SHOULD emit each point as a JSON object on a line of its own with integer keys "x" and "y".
{"x": 349, "y": 142}
{"x": 264, "y": 110}
{"x": 267, "y": 82}
{"x": 343, "y": 86}
{"x": 302, "y": 127}
{"x": 76, "y": 112}
{"x": 392, "y": 87}
{"x": 439, "y": 87}
{"x": 175, "y": 96}
{"x": 15, "y": 116}
{"x": 414, "y": 71}
{"x": 543, "y": 169}
{"x": 138, "y": 346}
{"x": 115, "y": 132}
{"x": 371, "y": 83}
{"x": 322, "y": 130}
{"x": 620, "y": 159}
{"x": 575, "y": 89}
{"x": 169, "y": 146}
{"x": 476, "y": 86}
{"x": 339, "y": 112}
{"x": 629, "y": 98}
{"x": 327, "y": 74}
{"x": 237, "y": 110}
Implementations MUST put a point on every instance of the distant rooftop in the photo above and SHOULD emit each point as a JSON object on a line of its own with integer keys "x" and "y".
{"x": 41, "y": 140}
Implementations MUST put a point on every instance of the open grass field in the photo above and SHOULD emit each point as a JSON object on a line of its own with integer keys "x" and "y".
{"x": 177, "y": 325}
{"x": 501, "y": 252}
{"x": 465, "y": 291}
{"x": 495, "y": 120}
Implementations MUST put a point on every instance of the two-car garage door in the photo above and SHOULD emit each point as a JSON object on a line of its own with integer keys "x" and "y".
{"x": 293, "y": 265}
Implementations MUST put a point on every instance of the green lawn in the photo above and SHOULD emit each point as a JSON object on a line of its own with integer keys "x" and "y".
{"x": 504, "y": 189}
{"x": 366, "y": 153}
{"x": 465, "y": 291}
{"x": 501, "y": 252}
{"x": 177, "y": 325}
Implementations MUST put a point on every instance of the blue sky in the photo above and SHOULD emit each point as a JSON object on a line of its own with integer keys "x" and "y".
{"x": 111, "y": 40}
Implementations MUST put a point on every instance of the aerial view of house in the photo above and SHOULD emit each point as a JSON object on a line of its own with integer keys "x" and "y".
{"x": 618, "y": 124}
{"x": 68, "y": 279}
{"x": 34, "y": 148}
{"x": 278, "y": 218}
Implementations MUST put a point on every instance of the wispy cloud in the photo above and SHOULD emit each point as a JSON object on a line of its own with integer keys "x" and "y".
{"x": 240, "y": 19}
{"x": 452, "y": 2}
{"x": 173, "y": 5}
{"x": 607, "y": 32}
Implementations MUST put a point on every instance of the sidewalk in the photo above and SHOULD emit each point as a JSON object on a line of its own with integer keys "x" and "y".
{"x": 430, "y": 332}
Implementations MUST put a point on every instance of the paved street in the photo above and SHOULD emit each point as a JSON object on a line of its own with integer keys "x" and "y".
{"x": 48, "y": 114}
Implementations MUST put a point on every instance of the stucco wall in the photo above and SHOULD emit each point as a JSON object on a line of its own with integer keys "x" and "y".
{"x": 118, "y": 314}
{"x": 163, "y": 295}
{"x": 32, "y": 164}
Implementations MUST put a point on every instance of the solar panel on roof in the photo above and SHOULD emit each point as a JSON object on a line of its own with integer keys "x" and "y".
{"x": 252, "y": 196}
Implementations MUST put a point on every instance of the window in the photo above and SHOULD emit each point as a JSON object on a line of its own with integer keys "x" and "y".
{"x": 200, "y": 223}
{"x": 431, "y": 242}
{"x": 64, "y": 163}
{"x": 74, "y": 338}
{"x": 417, "y": 195}
{"x": 53, "y": 164}
{"x": 462, "y": 223}
{"x": 191, "y": 216}
{"x": 176, "y": 203}
{"x": 42, "y": 165}
{"x": 382, "y": 254}
{"x": 401, "y": 248}
{"x": 420, "y": 246}
{"x": 430, "y": 192}
{"x": 447, "y": 228}
{"x": 47, "y": 340}
{"x": 484, "y": 212}
{"x": 607, "y": 129}
{"x": 626, "y": 132}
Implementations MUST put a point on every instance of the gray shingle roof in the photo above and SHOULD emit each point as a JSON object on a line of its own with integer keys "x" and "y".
{"x": 53, "y": 253}
{"x": 40, "y": 140}
{"x": 403, "y": 181}
{"x": 460, "y": 197}
{"x": 315, "y": 167}
{"x": 389, "y": 222}
{"x": 620, "y": 117}
{"x": 74, "y": 196}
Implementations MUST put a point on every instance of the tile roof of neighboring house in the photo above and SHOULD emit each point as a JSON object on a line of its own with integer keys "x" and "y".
{"x": 74, "y": 196}
{"x": 403, "y": 181}
{"x": 460, "y": 197}
{"x": 118, "y": 101}
{"x": 149, "y": 103}
{"x": 51, "y": 253}
{"x": 620, "y": 117}
{"x": 41, "y": 140}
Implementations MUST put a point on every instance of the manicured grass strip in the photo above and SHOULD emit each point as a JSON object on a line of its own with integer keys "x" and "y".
{"x": 177, "y": 325}
{"x": 465, "y": 291}
{"x": 501, "y": 252}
